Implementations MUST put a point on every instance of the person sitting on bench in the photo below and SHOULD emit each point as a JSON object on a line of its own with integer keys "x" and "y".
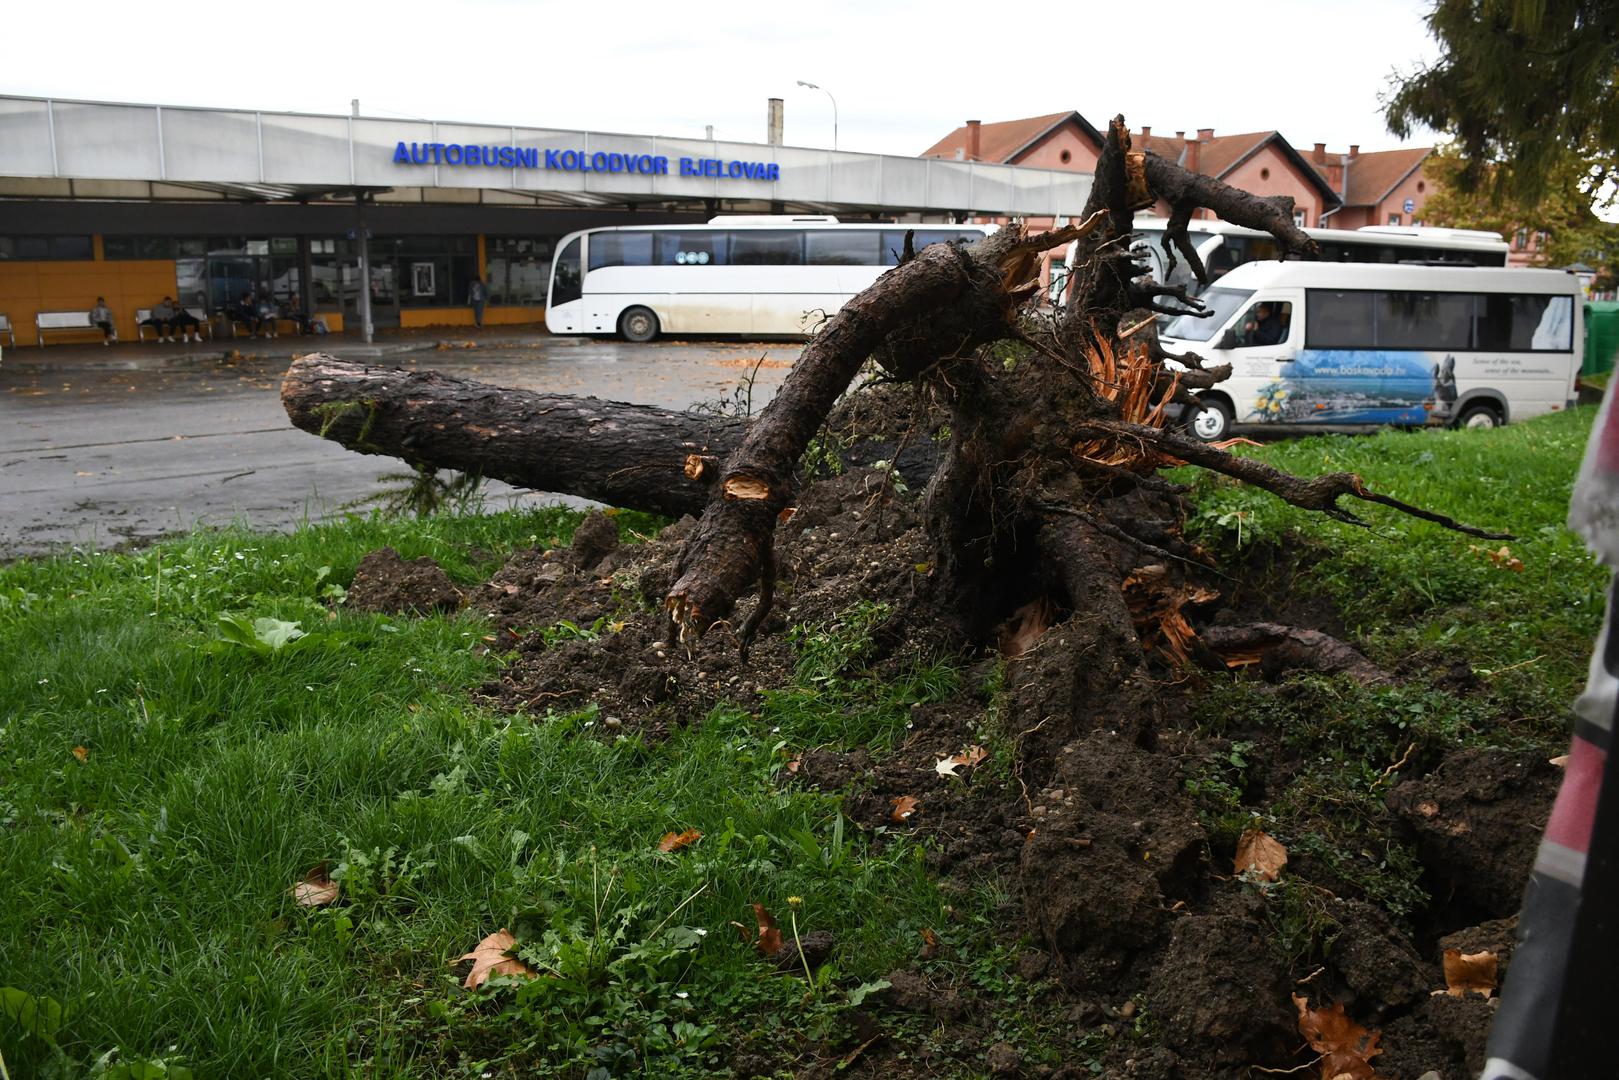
{"x": 293, "y": 311}
{"x": 189, "y": 325}
{"x": 162, "y": 317}
{"x": 101, "y": 315}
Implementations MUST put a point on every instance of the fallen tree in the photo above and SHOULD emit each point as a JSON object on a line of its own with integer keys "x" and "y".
{"x": 1045, "y": 534}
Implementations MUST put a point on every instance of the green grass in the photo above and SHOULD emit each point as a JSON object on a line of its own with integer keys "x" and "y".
{"x": 1411, "y": 594}
{"x": 147, "y": 885}
{"x": 147, "y": 918}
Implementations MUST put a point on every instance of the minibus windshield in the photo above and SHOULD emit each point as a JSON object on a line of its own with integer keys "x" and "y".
{"x": 1222, "y": 304}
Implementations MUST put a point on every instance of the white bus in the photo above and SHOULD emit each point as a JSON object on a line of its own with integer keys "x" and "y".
{"x": 1317, "y": 343}
{"x": 736, "y": 275}
{"x": 1224, "y": 247}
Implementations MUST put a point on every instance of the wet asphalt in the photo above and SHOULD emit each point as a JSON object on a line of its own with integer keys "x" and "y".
{"x": 97, "y": 456}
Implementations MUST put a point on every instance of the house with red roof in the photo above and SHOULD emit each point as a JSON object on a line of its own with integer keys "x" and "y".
{"x": 1382, "y": 187}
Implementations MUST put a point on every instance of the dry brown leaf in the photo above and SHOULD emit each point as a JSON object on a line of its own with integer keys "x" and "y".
{"x": 1561, "y": 761}
{"x": 904, "y": 807}
{"x": 1465, "y": 972}
{"x": 490, "y": 958}
{"x": 316, "y": 889}
{"x": 967, "y": 758}
{"x": 1345, "y": 1047}
{"x": 769, "y": 941}
{"x": 82, "y": 753}
{"x": 1260, "y": 856}
{"x": 794, "y": 763}
{"x": 930, "y": 944}
{"x": 674, "y": 841}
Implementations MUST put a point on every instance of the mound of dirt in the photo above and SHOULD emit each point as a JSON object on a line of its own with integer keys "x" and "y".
{"x": 1116, "y": 879}
{"x": 387, "y": 583}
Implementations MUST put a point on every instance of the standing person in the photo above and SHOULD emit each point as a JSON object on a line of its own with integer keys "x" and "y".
{"x": 162, "y": 317}
{"x": 101, "y": 315}
{"x": 477, "y": 296}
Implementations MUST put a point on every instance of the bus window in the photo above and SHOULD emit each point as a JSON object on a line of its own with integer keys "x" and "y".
{"x": 894, "y": 241}
{"x": 1524, "y": 323}
{"x": 565, "y": 280}
{"x": 751, "y": 247}
{"x": 1423, "y": 320}
{"x": 620, "y": 249}
{"x": 692, "y": 247}
{"x": 1338, "y": 320}
{"x": 843, "y": 247}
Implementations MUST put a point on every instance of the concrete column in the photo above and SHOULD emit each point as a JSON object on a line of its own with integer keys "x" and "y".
{"x": 363, "y": 247}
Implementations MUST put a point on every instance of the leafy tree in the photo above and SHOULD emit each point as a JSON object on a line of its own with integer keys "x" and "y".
{"x": 1563, "y": 211}
{"x": 1525, "y": 86}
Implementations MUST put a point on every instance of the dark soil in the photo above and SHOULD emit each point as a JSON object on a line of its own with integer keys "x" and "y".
{"x": 1125, "y": 909}
{"x": 385, "y": 582}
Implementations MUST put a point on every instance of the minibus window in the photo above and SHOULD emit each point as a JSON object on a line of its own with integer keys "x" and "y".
{"x": 1521, "y": 323}
{"x": 1339, "y": 320}
{"x": 1424, "y": 320}
{"x": 1266, "y": 323}
{"x": 1222, "y": 304}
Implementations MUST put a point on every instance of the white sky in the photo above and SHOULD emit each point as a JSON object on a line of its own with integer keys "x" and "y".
{"x": 904, "y": 73}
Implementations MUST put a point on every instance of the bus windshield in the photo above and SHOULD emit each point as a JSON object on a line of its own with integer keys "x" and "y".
{"x": 1222, "y": 304}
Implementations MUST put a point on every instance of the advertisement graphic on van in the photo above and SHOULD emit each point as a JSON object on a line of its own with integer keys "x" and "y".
{"x": 1354, "y": 387}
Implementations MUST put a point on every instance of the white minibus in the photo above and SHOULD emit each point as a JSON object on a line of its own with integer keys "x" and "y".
{"x": 1350, "y": 344}
{"x": 743, "y": 274}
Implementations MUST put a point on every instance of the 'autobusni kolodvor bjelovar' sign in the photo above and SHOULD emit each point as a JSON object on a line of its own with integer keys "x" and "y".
{"x": 519, "y": 157}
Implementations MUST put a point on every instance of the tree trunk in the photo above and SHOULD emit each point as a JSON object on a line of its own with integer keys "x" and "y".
{"x": 634, "y": 456}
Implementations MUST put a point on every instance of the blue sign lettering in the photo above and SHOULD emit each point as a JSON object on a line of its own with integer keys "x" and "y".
{"x": 520, "y": 157}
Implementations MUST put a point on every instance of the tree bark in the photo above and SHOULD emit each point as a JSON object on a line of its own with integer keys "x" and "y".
{"x": 634, "y": 456}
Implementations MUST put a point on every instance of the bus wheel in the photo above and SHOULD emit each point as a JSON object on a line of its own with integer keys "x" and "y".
{"x": 1211, "y": 419}
{"x": 638, "y": 324}
{"x": 1479, "y": 416}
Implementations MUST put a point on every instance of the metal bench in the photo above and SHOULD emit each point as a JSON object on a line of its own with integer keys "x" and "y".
{"x": 70, "y": 322}
{"x": 5, "y": 328}
{"x": 202, "y": 317}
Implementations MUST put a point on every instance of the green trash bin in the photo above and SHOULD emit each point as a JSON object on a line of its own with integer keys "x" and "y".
{"x": 1601, "y": 336}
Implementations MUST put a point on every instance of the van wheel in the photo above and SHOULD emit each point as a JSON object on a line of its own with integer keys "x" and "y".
{"x": 1479, "y": 416}
{"x": 638, "y": 324}
{"x": 1211, "y": 419}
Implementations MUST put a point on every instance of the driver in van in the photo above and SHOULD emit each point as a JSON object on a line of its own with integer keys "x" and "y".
{"x": 1265, "y": 325}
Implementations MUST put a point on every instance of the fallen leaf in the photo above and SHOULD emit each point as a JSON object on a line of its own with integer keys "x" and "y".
{"x": 1466, "y": 972}
{"x": 930, "y": 944}
{"x": 1561, "y": 761}
{"x": 769, "y": 942}
{"x": 81, "y": 753}
{"x": 675, "y": 841}
{"x": 742, "y": 931}
{"x": 786, "y": 515}
{"x": 968, "y": 757}
{"x": 904, "y": 807}
{"x": 792, "y": 765}
{"x": 1345, "y": 1047}
{"x": 490, "y": 958}
{"x": 316, "y": 889}
{"x": 1260, "y": 856}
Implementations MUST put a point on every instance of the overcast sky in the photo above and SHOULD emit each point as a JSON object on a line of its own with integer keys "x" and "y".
{"x": 904, "y": 74}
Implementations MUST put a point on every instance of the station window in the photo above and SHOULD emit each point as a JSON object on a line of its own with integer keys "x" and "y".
{"x": 518, "y": 268}
{"x": 45, "y": 247}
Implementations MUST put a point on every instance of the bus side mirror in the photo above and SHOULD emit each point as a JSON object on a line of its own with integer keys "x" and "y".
{"x": 1228, "y": 340}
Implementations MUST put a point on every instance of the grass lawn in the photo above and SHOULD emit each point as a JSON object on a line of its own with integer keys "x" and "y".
{"x": 166, "y": 777}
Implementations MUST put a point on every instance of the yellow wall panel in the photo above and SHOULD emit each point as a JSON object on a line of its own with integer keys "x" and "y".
{"x": 462, "y": 316}
{"x": 27, "y": 288}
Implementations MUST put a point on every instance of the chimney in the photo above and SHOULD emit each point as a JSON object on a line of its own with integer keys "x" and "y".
{"x": 1180, "y": 134}
{"x": 974, "y": 143}
{"x": 1319, "y": 154}
{"x": 1146, "y": 131}
{"x": 1354, "y": 149}
{"x": 1205, "y": 134}
{"x": 773, "y": 122}
{"x": 1189, "y": 159}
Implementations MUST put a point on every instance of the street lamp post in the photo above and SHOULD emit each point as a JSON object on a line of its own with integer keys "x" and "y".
{"x": 828, "y": 93}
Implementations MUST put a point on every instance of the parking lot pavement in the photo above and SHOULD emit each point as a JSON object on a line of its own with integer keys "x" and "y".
{"x": 100, "y": 456}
